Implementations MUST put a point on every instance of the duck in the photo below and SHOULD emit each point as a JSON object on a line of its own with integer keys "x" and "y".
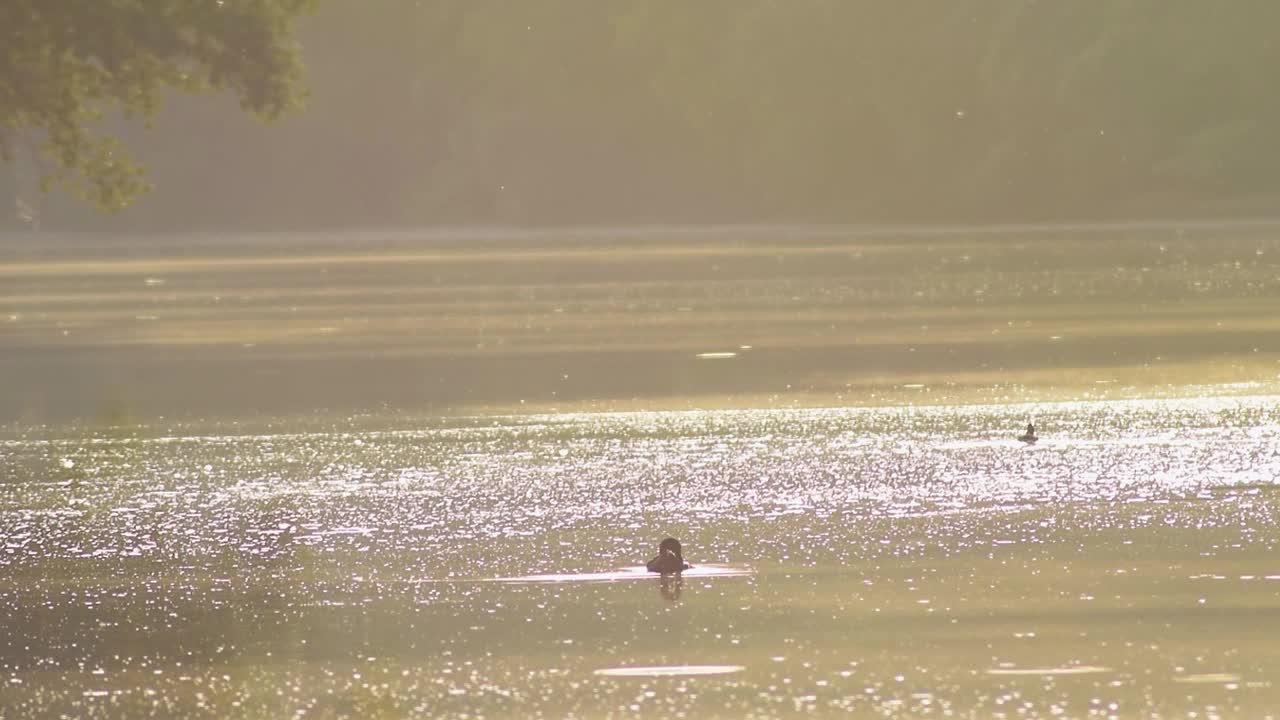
{"x": 1029, "y": 437}
{"x": 670, "y": 560}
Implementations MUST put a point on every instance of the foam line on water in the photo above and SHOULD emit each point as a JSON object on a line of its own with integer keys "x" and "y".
{"x": 629, "y": 573}
{"x": 670, "y": 670}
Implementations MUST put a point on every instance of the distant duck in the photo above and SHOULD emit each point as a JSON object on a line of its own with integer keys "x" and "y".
{"x": 669, "y": 560}
{"x": 1029, "y": 437}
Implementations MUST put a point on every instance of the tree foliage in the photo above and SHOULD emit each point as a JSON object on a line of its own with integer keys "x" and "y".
{"x": 65, "y": 65}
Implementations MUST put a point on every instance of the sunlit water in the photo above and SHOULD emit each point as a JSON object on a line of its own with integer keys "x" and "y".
{"x": 909, "y": 562}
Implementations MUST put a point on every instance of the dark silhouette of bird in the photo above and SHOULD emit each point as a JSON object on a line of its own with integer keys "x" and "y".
{"x": 669, "y": 560}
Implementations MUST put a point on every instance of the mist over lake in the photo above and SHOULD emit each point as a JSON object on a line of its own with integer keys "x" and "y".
{"x": 119, "y": 329}
{"x": 418, "y": 474}
{"x": 601, "y": 359}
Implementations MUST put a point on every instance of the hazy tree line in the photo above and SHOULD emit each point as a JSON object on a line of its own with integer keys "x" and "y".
{"x": 616, "y": 111}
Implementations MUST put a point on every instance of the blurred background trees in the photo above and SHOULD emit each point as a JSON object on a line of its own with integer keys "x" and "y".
{"x": 605, "y": 111}
{"x": 66, "y": 66}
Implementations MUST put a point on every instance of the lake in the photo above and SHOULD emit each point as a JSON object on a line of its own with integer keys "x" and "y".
{"x": 212, "y": 506}
{"x": 892, "y": 561}
{"x": 106, "y": 330}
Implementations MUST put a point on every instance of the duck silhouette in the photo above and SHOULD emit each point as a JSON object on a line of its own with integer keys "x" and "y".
{"x": 1029, "y": 437}
{"x": 670, "y": 560}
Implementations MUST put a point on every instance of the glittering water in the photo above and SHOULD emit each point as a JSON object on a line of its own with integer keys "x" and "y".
{"x": 904, "y": 562}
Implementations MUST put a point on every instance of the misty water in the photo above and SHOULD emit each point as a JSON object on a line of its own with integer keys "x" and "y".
{"x": 388, "y": 475}
{"x": 895, "y": 561}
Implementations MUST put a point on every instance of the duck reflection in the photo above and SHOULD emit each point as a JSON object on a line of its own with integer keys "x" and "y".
{"x": 670, "y": 587}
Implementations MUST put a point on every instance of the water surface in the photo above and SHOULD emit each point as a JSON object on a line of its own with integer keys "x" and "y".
{"x": 897, "y": 562}
{"x": 131, "y": 329}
